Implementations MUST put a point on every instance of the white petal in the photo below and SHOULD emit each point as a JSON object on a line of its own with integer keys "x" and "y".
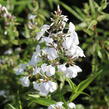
{"x": 45, "y": 27}
{"x": 77, "y": 68}
{"x": 62, "y": 68}
{"x": 79, "y": 52}
{"x": 39, "y": 35}
{"x": 44, "y": 88}
{"x": 74, "y": 37}
{"x": 51, "y": 53}
{"x": 36, "y": 86}
{"x": 38, "y": 50}
{"x": 36, "y": 71}
{"x": 44, "y": 68}
{"x": 71, "y": 106}
{"x": 47, "y": 40}
{"x": 70, "y": 72}
{"x": 67, "y": 42}
{"x": 71, "y": 27}
{"x": 50, "y": 70}
{"x": 52, "y": 85}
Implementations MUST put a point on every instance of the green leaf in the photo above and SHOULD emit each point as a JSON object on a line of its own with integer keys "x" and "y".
{"x": 41, "y": 101}
{"x": 83, "y": 85}
{"x": 92, "y": 7}
{"x": 80, "y": 12}
{"x": 71, "y": 11}
{"x": 104, "y": 4}
{"x": 72, "y": 85}
{"x": 11, "y": 107}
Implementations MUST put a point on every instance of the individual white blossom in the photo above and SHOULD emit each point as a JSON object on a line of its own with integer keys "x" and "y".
{"x": 71, "y": 105}
{"x": 45, "y": 27}
{"x": 58, "y": 105}
{"x": 61, "y": 68}
{"x": 36, "y": 86}
{"x": 52, "y": 85}
{"x": 51, "y": 53}
{"x": 36, "y": 71}
{"x": 25, "y": 81}
{"x": 71, "y": 27}
{"x": 67, "y": 43}
{"x": 75, "y": 52}
{"x": 44, "y": 67}
{"x": 72, "y": 71}
{"x": 73, "y": 34}
{"x": 50, "y": 70}
{"x": 45, "y": 87}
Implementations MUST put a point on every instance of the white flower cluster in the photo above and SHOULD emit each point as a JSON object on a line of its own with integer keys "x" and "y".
{"x": 56, "y": 52}
{"x": 4, "y": 12}
{"x": 59, "y": 105}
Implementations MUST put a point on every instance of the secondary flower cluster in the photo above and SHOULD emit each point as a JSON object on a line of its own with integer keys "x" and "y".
{"x": 59, "y": 105}
{"x": 56, "y": 52}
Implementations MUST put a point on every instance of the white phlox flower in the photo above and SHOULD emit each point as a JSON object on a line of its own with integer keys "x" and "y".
{"x": 25, "y": 81}
{"x": 50, "y": 70}
{"x": 73, "y": 34}
{"x": 44, "y": 67}
{"x": 61, "y": 68}
{"x": 71, "y": 105}
{"x": 67, "y": 43}
{"x": 45, "y": 27}
{"x": 75, "y": 52}
{"x": 51, "y": 53}
{"x": 36, "y": 71}
{"x": 72, "y": 71}
{"x": 45, "y": 87}
{"x": 69, "y": 72}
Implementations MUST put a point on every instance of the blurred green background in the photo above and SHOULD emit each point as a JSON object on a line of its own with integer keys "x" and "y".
{"x": 17, "y": 44}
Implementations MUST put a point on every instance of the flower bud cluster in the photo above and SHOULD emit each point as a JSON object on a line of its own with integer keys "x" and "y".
{"x": 56, "y": 52}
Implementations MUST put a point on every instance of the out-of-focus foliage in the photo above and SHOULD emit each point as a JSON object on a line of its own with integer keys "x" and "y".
{"x": 17, "y": 45}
